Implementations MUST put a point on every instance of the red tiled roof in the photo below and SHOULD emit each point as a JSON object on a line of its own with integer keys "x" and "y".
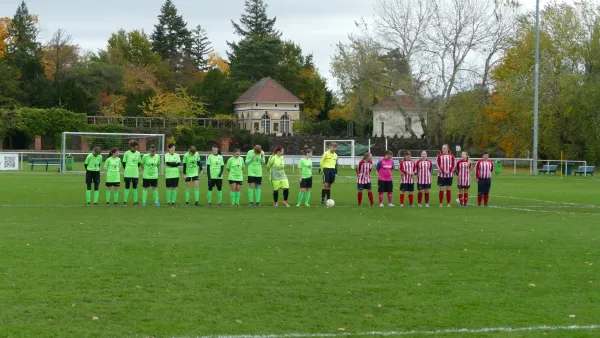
{"x": 268, "y": 90}
{"x": 399, "y": 99}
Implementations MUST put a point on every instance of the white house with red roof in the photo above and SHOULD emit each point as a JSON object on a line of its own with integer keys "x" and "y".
{"x": 388, "y": 119}
{"x": 267, "y": 108}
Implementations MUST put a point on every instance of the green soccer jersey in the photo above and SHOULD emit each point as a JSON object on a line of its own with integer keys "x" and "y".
{"x": 172, "y": 172}
{"x": 255, "y": 163}
{"x": 191, "y": 164}
{"x": 216, "y": 163}
{"x": 151, "y": 165}
{"x": 132, "y": 161}
{"x": 93, "y": 162}
{"x": 235, "y": 167}
{"x": 113, "y": 169}
{"x": 277, "y": 165}
{"x": 305, "y": 165}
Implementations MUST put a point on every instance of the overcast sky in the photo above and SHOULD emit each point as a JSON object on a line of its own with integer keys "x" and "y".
{"x": 317, "y": 25}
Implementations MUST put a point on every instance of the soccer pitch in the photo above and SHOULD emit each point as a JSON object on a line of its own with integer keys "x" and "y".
{"x": 530, "y": 262}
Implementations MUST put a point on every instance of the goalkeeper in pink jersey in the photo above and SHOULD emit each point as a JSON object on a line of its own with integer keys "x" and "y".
{"x": 385, "y": 166}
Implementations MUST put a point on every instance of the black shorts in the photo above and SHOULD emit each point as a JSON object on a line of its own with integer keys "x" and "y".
{"x": 423, "y": 186}
{"x": 236, "y": 182}
{"x": 364, "y": 186}
{"x": 215, "y": 182}
{"x": 306, "y": 183}
{"x": 464, "y": 187}
{"x": 172, "y": 182}
{"x": 409, "y": 187}
{"x": 113, "y": 184}
{"x": 190, "y": 179}
{"x": 92, "y": 177}
{"x": 131, "y": 180}
{"x": 329, "y": 175}
{"x": 385, "y": 186}
{"x": 445, "y": 181}
{"x": 255, "y": 180}
{"x": 484, "y": 186}
{"x": 150, "y": 182}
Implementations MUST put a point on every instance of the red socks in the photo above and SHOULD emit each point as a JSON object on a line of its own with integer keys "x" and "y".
{"x": 426, "y": 198}
{"x": 460, "y": 198}
{"x": 441, "y": 197}
{"x": 479, "y": 199}
{"x": 359, "y": 197}
{"x": 448, "y": 196}
{"x": 411, "y": 199}
{"x": 466, "y": 198}
{"x": 371, "y": 197}
{"x": 486, "y": 198}
{"x": 420, "y": 197}
{"x": 401, "y": 199}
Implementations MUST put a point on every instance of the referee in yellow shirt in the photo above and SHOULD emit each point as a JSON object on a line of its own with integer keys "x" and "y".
{"x": 329, "y": 163}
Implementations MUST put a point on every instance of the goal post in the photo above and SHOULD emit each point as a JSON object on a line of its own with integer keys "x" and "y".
{"x": 345, "y": 148}
{"x": 75, "y": 146}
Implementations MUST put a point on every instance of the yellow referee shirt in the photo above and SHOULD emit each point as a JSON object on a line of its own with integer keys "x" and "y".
{"x": 329, "y": 160}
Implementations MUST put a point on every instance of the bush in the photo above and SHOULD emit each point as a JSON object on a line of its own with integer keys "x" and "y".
{"x": 33, "y": 122}
{"x": 262, "y": 140}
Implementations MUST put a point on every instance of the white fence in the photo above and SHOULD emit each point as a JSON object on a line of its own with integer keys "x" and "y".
{"x": 514, "y": 165}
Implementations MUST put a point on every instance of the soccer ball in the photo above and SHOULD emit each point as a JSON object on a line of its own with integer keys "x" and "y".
{"x": 330, "y": 203}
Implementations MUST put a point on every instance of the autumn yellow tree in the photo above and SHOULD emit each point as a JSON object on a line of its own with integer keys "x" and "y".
{"x": 178, "y": 104}
{"x": 216, "y": 61}
{"x": 4, "y": 25}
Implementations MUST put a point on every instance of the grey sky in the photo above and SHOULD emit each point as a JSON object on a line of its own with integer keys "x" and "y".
{"x": 317, "y": 25}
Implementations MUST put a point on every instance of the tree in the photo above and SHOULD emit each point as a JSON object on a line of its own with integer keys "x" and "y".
{"x": 171, "y": 38}
{"x": 180, "y": 103}
{"x": 218, "y": 91}
{"x": 9, "y": 85}
{"x": 201, "y": 48}
{"x": 257, "y": 54}
{"x": 215, "y": 61}
{"x": 23, "y": 51}
{"x": 328, "y": 106}
{"x": 59, "y": 55}
{"x": 132, "y": 47}
{"x": 5, "y": 23}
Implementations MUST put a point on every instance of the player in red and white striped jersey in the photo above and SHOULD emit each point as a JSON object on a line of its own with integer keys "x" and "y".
{"x": 407, "y": 181}
{"x": 424, "y": 168}
{"x": 446, "y": 163}
{"x": 463, "y": 176}
{"x": 483, "y": 175}
{"x": 363, "y": 177}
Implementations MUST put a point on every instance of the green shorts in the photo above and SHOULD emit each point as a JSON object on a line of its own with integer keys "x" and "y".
{"x": 283, "y": 184}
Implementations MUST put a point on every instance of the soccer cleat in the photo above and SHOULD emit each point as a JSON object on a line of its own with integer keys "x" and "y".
{"x": 143, "y": 204}
{"x": 307, "y": 205}
{"x": 401, "y": 205}
{"x": 381, "y": 205}
{"x": 220, "y": 205}
{"x": 197, "y": 204}
{"x": 449, "y": 206}
{"x": 107, "y": 204}
{"x": 187, "y": 204}
{"x": 420, "y": 205}
{"x": 441, "y": 205}
{"x": 209, "y": 205}
{"x": 116, "y": 203}
{"x": 157, "y": 204}
{"x": 95, "y": 204}
{"x": 426, "y": 205}
{"x": 322, "y": 202}
{"x": 458, "y": 201}
{"x": 136, "y": 204}
{"x": 298, "y": 205}
{"x": 286, "y": 204}
{"x": 391, "y": 205}
{"x": 251, "y": 204}
{"x": 276, "y": 205}
{"x": 88, "y": 204}
{"x": 412, "y": 205}
{"x": 258, "y": 204}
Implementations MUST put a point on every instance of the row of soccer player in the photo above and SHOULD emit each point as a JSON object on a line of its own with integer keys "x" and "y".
{"x": 132, "y": 161}
{"x": 423, "y": 170}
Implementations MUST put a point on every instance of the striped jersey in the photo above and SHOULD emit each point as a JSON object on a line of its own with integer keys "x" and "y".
{"x": 363, "y": 172}
{"x": 424, "y": 170}
{"x": 446, "y": 165}
{"x": 408, "y": 171}
{"x": 463, "y": 172}
{"x": 483, "y": 169}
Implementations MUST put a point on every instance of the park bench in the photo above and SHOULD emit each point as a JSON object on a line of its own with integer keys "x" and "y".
{"x": 44, "y": 162}
{"x": 548, "y": 169}
{"x": 584, "y": 170}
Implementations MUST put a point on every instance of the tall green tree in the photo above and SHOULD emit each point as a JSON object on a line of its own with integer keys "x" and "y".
{"x": 9, "y": 85}
{"x": 218, "y": 92}
{"x": 132, "y": 47}
{"x": 201, "y": 48}
{"x": 257, "y": 54}
{"x": 171, "y": 38}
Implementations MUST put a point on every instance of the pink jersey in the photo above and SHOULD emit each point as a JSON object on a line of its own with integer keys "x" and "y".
{"x": 363, "y": 172}
{"x": 424, "y": 170}
{"x": 408, "y": 170}
{"x": 384, "y": 169}
{"x": 463, "y": 172}
{"x": 483, "y": 169}
{"x": 446, "y": 165}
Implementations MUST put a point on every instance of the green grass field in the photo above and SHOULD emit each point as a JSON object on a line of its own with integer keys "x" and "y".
{"x": 529, "y": 260}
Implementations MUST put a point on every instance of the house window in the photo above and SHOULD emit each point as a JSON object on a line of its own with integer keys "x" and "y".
{"x": 257, "y": 104}
{"x": 265, "y": 124}
{"x": 275, "y": 105}
{"x": 285, "y": 123}
{"x": 275, "y": 127}
{"x": 408, "y": 124}
{"x": 382, "y": 129}
{"x": 256, "y": 127}
{"x": 295, "y": 105}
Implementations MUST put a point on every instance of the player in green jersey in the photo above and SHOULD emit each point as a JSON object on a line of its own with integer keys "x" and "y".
{"x": 92, "y": 175}
{"x": 191, "y": 170}
{"x": 214, "y": 168}
{"x": 305, "y": 177}
{"x": 278, "y": 177}
{"x": 113, "y": 175}
{"x": 132, "y": 159}
{"x": 255, "y": 161}
{"x": 172, "y": 161}
{"x": 235, "y": 166}
{"x": 150, "y": 165}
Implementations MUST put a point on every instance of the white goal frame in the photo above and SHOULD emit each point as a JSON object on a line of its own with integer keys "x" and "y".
{"x": 64, "y": 152}
{"x": 352, "y": 152}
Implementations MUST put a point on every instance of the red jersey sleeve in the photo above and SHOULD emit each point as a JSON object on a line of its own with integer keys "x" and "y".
{"x": 430, "y": 166}
{"x": 453, "y": 163}
{"x": 401, "y": 167}
{"x": 359, "y": 165}
{"x": 492, "y": 166}
{"x": 477, "y": 169}
{"x": 439, "y": 163}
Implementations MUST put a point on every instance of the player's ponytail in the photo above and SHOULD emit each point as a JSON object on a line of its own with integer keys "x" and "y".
{"x": 113, "y": 151}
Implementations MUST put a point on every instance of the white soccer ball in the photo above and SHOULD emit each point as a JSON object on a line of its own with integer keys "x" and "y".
{"x": 330, "y": 203}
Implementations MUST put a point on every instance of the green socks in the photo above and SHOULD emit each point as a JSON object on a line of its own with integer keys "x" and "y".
{"x": 307, "y": 197}
{"x": 96, "y": 196}
{"x": 155, "y": 195}
{"x": 300, "y": 197}
{"x": 187, "y": 195}
{"x": 251, "y": 195}
{"x": 209, "y": 197}
{"x": 235, "y": 197}
{"x": 88, "y": 196}
{"x": 169, "y": 196}
{"x": 232, "y": 197}
{"x": 126, "y": 195}
{"x": 258, "y": 190}
{"x": 220, "y": 196}
{"x": 108, "y": 196}
{"x": 135, "y": 195}
{"x": 144, "y": 195}
{"x": 173, "y": 196}
{"x": 197, "y": 194}
{"x": 116, "y": 196}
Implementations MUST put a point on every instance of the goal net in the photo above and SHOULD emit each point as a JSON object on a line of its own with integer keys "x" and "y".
{"x": 76, "y": 146}
{"x": 346, "y": 151}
